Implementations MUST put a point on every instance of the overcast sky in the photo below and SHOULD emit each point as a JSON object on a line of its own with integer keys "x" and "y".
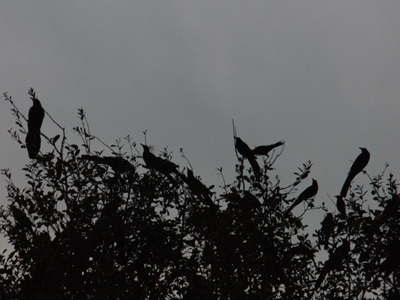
{"x": 321, "y": 75}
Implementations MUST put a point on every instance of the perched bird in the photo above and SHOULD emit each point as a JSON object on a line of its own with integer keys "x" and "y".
{"x": 243, "y": 148}
{"x": 264, "y": 150}
{"x": 159, "y": 164}
{"x": 35, "y": 115}
{"x": 246, "y": 152}
{"x": 199, "y": 188}
{"x": 118, "y": 164}
{"x": 33, "y": 141}
{"x": 334, "y": 261}
{"x": 358, "y": 165}
{"x": 328, "y": 225}
{"x": 35, "y": 120}
{"x": 341, "y": 206}
{"x": 308, "y": 193}
{"x": 148, "y": 157}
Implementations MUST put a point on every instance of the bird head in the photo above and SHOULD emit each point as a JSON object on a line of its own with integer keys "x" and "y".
{"x": 36, "y": 102}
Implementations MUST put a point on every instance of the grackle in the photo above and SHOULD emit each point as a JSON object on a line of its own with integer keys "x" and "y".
{"x": 246, "y": 152}
{"x": 308, "y": 193}
{"x": 358, "y": 165}
{"x": 35, "y": 120}
{"x": 199, "y": 188}
{"x": 159, "y": 164}
{"x": 35, "y": 115}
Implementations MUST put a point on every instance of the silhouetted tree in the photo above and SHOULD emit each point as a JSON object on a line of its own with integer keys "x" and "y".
{"x": 91, "y": 226}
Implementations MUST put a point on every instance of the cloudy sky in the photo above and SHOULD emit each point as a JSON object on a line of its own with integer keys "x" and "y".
{"x": 321, "y": 75}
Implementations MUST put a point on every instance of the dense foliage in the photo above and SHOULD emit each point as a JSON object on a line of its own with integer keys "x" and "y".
{"x": 114, "y": 227}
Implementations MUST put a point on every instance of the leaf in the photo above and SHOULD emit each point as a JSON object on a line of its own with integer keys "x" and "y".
{"x": 55, "y": 139}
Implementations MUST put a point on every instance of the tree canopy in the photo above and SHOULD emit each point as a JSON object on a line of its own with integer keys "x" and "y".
{"x": 135, "y": 225}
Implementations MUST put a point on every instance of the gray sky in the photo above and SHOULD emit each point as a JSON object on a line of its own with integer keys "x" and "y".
{"x": 322, "y": 75}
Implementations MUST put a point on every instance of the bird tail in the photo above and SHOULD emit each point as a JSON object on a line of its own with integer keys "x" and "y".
{"x": 346, "y": 186}
{"x": 33, "y": 143}
{"x": 290, "y": 208}
{"x": 256, "y": 167}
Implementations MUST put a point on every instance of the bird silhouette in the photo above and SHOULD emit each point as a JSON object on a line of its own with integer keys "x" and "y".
{"x": 341, "y": 206}
{"x": 308, "y": 193}
{"x": 35, "y": 115}
{"x": 327, "y": 227}
{"x": 199, "y": 188}
{"x": 246, "y": 152}
{"x": 159, "y": 164}
{"x": 35, "y": 120}
{"x": 118, "y": 164}
{"x": 243, "y": 148}
{"x": 264, "y": 150}
{"x": 148, "y": 157}
{"x": 358, "y": 165}
{"x": 334, "y": 261}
